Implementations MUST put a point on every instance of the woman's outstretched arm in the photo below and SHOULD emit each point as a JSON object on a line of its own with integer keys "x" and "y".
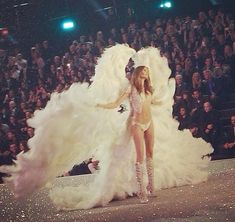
{"x": 118, "y": 101}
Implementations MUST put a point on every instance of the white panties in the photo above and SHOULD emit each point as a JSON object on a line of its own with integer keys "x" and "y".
{"x": 143, "y": 126}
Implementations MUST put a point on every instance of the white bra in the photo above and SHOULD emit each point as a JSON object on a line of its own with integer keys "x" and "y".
{"x": 136, "y": 100}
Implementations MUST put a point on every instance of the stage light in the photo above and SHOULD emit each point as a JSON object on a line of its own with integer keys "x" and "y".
{"x": 167, "y": 4}
{"x": 68, "y": 25}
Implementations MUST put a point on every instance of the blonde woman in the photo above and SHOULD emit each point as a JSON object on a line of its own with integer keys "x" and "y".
{"x": 141, "y": 124}
{"x": 196, "y": 81}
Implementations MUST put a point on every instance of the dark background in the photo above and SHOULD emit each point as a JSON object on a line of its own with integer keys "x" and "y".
{"x": 40, "y": 19}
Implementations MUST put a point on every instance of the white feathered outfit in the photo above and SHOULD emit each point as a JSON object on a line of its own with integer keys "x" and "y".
{"x": 71, "y": 128}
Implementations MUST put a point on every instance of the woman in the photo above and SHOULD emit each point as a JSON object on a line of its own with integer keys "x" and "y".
{"x": 23, "y": 146}
{"x": 141, "y": 124}
{"x": 196, "y": 81}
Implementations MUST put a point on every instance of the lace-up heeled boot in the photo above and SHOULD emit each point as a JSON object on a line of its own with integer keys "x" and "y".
{"x": 150, "y": 172}
{"x": 141, "y": 189}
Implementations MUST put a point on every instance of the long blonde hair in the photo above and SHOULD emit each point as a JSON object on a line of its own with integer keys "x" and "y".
{"x": 196, "y": 80}
{"x": 136, "y": 81}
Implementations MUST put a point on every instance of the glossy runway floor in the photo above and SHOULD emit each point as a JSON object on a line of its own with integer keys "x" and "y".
{"x": 213, "y": 200}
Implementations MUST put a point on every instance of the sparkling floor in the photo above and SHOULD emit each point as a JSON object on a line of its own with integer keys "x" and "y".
{"x": 213, "y": 200}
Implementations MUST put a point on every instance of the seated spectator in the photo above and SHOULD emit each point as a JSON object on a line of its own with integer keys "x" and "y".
{"x": 185, "y": 102}
{"x": 195, "y": 130}
{"x": 198, "y": 59}
{"x": 208, "y": 64}
{"x": 23, "y": 146}
{"x": 184, "y": 119}
{"x": 13, "y": 125}
{"x": 222, "y": 80}
{"x": 197, "y": 105}
{"x": 213, "y": 55}
{"x": 11, "y": 138}
{"x": 209, "y": 85}
{"x": 30, "y": 133}
{"x": 22, "y": 110}
{"x": 210, "y": 125}
{"x": 13, "y": 148}
{"x": 229, "y": 59}
{"x": 196, "y": 83}
{"x": 229, "y": 139}
{"x": 188, "y": 70}
{"x": 179, "y": 70}
{"x": 180, "y": 87}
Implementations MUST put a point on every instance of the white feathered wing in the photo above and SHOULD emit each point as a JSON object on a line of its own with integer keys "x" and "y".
{"x": 71, "y": 128}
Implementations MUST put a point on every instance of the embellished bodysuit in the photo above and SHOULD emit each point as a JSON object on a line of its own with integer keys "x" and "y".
{"x": 140, "y": 108}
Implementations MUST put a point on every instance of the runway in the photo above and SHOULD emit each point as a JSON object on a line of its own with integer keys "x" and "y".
{"x": 213, "y": 200}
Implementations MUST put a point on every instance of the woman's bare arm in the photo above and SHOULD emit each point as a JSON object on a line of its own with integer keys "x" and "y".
{"x": 116, "y": 103}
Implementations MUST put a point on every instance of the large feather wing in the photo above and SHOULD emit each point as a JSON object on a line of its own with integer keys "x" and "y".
{"x": 70, "y": 128}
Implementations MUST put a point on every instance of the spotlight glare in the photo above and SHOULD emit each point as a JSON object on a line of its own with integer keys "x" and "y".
{"x": 68, "y": 25}
{"x": 168, "y": 4}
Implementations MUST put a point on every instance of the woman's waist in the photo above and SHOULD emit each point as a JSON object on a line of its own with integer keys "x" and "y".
{"x": 143, "y": 119}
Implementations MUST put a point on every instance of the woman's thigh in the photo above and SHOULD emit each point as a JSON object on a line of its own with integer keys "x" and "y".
{"x": 138, "y": 137}
{"x": 149, "y": 140}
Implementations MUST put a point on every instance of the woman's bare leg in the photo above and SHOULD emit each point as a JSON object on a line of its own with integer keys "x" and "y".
{"x": 149, "y": 143}
{"x": 138, "y": 136}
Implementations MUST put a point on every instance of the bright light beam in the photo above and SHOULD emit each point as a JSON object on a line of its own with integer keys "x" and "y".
{"x": 168, "y": 5}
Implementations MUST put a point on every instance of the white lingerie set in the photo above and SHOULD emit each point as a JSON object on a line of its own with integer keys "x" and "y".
{"x": 136, "y": 101}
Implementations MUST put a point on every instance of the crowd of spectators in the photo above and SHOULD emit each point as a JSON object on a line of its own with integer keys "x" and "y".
{"x": 200, "y": 52}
